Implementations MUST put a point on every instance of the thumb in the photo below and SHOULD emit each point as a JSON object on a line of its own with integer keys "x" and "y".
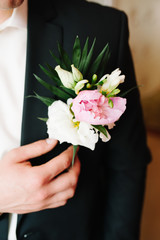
{"x": 32, "y": 150}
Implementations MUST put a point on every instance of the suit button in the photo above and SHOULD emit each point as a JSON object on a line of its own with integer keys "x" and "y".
{"x": 26, "y": 235}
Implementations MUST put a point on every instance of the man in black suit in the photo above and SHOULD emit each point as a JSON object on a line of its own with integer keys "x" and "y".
{"x": 109, "y": 196}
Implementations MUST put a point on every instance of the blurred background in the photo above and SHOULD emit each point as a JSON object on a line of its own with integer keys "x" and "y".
{"x": 144, "y": 25}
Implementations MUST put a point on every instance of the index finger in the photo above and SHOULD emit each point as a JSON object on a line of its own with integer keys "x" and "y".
{"x": 56, "y": 165}
{"x": 32, "y": 150}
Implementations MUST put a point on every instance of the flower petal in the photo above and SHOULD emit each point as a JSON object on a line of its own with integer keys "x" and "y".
{"x": 80, "y": 85}
{"x": 66, "y": 77}
{"x": 92, "y": 107}
{"x": 61, "y": 127}
{"x": 113, "y": 80}
{"x": 77, "y": 75}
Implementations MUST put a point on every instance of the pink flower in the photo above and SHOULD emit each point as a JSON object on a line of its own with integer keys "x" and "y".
{"x": 92, "y": 107}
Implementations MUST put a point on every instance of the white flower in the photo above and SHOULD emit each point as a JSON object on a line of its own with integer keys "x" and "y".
{"x": 73, "y": 80}
{"x": 111, "y": 81}
{"x": 77, "y": 75}
{"x": 80, "y": 85}
{"x": 62, "y": 127}
{"x": 66, "y": 77}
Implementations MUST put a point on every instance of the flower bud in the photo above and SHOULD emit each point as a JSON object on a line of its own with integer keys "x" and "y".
{"x": 94, "y": 78}
{"x": 88, "y": 85}
{"x": 66, "y": 77}
{"x": 113, "y": 80}
{"x": 80, "y": 85}
{"x": 77, "y": 75}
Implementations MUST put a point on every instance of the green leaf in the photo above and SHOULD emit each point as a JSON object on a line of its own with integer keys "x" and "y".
{"x": 101, "y": 129}
{"x": 65, "y": 60}
{"x": 76, "y": 52}
{"x": 56, "y": 91}
{"x": 104, "y": 62}
{"x": 45, "y": 71}
{"x": 74, "y": 153}
{"x": 43, "y": 119}
{"x": 96, "y": 64}
{"x": 69, "y": 91}
{"x": 88, "y": 59}
{"x": 54, "y": 75}
{"x": 51, "y": 75}
{"x": 131, "y": 89}
{"x": 84, "y": 56}
{"x": 47, "y": 101}
{"x": 58, "y": 61}
{"x": 110, "y": 103}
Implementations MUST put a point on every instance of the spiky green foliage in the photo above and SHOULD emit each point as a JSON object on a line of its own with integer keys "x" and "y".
{"x": 55, "y": 90}
{"x": 82, "y": 58}
{"x": 76, "y": 53}
{"x": 46, "y": 100}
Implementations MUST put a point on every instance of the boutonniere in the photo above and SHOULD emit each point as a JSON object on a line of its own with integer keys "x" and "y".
{"x": 88, "y": 103}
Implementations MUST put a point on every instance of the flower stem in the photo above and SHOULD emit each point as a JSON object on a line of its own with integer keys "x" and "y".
{"x": 74, "y": 153}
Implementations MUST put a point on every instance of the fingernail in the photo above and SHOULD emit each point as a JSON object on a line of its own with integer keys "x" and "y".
{"x": 50, "y": 140}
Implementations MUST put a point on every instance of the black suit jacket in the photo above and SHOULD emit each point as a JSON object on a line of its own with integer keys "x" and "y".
{"x": 108, "y": 201}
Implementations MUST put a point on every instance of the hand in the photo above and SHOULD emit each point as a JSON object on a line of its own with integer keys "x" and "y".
{"x": 24, "y": 188}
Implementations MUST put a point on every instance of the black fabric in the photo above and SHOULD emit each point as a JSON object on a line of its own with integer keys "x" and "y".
{"x": 124, "y": 198}
{"x": 108, "y": 201}
{"x": 3, "y": 226}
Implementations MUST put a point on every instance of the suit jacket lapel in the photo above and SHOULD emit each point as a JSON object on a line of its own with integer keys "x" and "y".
{"x": 42, "y": 37}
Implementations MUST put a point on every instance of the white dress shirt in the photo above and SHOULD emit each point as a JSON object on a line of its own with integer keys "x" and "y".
{"x": 13, "y": 40}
